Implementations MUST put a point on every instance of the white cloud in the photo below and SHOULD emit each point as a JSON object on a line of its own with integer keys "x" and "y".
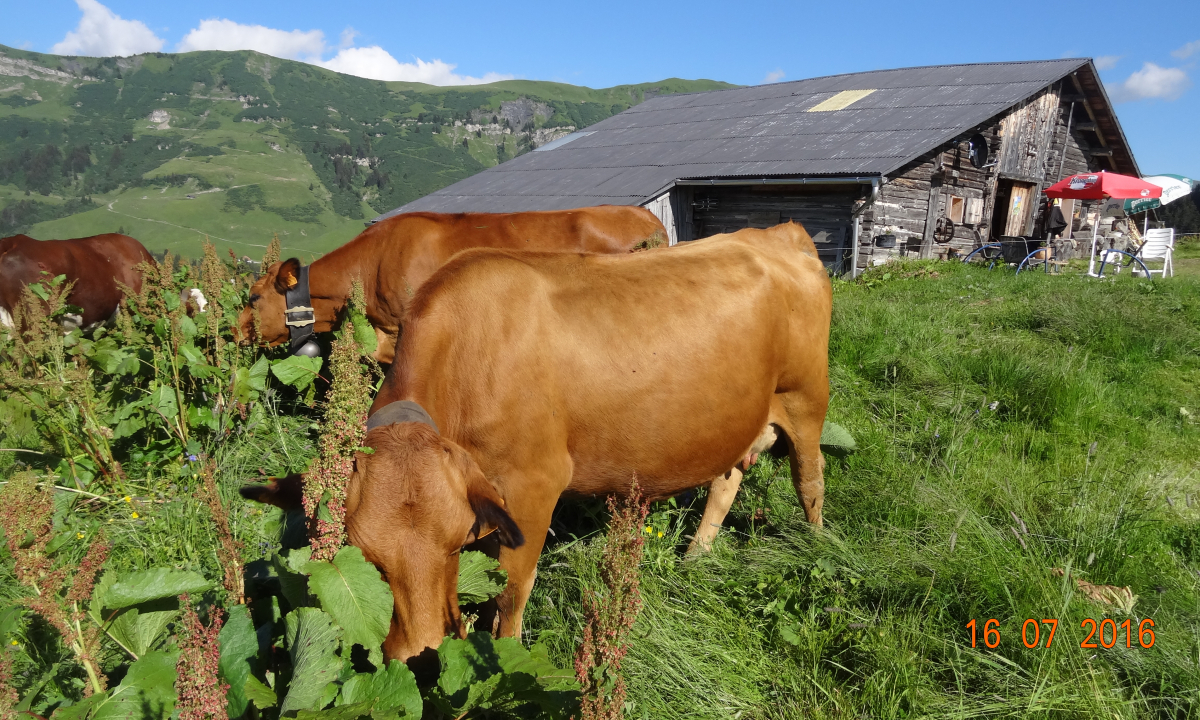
{"x": 1187, "y": 50}
{"x": 221, "y": 34}
{"x": 378, "y": 64}
{"x": 1151, "y": 82}
{"x": 369, "y": 62}
{"x": 1106, "y": 62}
{"x": 102, "y": 33}
{"x": 774, "y": 76}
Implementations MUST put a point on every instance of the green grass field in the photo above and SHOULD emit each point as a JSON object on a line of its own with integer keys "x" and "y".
{"x": 1006, "y": 427}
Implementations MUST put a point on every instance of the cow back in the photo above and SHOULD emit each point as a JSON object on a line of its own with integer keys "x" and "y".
{"x": 663, "y": 362}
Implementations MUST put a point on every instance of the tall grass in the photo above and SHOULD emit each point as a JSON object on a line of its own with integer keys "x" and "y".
{"x": 1006, "y": 427}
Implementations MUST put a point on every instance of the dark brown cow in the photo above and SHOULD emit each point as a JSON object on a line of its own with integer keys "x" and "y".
{"x": 95, "y": 264}
{"x": 549, "y": 374}
{"x": 394, "y": 256}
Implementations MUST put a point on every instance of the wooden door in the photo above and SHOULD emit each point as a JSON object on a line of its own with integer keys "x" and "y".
{"x": 1019, "y": 202}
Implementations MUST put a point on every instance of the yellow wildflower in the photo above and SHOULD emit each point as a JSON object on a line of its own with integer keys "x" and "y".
{"x": 14, "y": 642}
{"x": 79, "y": 535}
{"x": 135, "y": 515}
{"x": 660, "y": 533}
{"x": 127, "y": 499}
{"x": 649, "y": 529}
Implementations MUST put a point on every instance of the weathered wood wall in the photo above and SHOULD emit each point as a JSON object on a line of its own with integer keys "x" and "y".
{"x": 823, "y": 210}
{"x": 1026, "y": 143}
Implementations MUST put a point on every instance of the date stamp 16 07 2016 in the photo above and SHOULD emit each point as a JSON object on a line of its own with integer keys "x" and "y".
{"x": 1107, "y": 633}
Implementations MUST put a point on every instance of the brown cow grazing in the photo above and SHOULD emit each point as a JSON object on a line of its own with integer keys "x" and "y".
{"x": 394, "y": 256}
{"x": 547, "y": 374}
{"x": 95, "y": 264}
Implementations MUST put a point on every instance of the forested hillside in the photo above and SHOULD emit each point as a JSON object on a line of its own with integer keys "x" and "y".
{"x": 239, "y": 146}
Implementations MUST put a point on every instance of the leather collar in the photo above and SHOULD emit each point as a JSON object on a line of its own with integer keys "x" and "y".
{"x": 299, "y": 316}
{"x": 399, "y": 412}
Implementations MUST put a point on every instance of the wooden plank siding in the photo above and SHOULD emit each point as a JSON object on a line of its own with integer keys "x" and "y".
{"x": 1028, "y": 143}
{"x": 824, "y": 211}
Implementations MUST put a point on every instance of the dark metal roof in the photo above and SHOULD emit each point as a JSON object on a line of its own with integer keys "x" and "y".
{"x": 760, "y": 131}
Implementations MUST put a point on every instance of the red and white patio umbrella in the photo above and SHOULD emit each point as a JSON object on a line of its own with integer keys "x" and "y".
{"x": 1102, "y": 186}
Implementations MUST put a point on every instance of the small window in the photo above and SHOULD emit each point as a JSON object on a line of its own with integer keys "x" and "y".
{"x": 956, "y": 209}
{"x": 974, "y": 212}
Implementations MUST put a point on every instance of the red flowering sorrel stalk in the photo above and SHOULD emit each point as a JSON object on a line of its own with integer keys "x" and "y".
{"x": 8, "y": 696}
{"x": 26, "y": 514}
{"x": 609, "y": 618}
{"x": 342, "y": 433}
{"x": 201, "y": 694}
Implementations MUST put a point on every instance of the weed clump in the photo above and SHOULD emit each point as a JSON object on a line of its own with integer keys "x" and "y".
{"x": 201, "y": 694}
{"x": 609, "y": 618}
{"x": 342, "y": 433}
{"x": 60, "y": 593}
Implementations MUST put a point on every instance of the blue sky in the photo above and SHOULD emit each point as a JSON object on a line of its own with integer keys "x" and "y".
{"x": 1149, "y": 55}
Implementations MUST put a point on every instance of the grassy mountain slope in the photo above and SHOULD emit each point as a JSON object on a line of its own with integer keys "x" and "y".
{"x": 240, "y": 146}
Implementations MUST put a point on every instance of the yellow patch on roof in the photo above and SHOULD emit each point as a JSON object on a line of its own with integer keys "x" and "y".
{"x": 841, "y": 101}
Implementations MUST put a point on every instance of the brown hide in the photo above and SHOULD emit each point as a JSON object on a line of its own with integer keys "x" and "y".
{"x": 394, "y": 256}
{"x": 95, "y": 264}
{"x": 558, "y": 373}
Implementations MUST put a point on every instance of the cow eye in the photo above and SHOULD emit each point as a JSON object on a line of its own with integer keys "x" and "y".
{"x": 255, "y": 298}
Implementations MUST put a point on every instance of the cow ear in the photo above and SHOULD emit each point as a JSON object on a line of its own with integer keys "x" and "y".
{"x": 285, "y": 492}
{"x": 490, "y": 513}
{"x": 354, "y": 485}
{"x": 490, "y": 516}
{"x": 288, "y": 276}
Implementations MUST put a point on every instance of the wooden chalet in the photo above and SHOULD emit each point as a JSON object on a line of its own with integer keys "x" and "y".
{"x": 942, "y": 158}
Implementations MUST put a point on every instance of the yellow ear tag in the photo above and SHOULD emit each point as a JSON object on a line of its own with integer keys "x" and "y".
{"x": 292, "y": 281}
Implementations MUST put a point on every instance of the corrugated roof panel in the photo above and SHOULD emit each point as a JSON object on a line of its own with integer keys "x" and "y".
{"x": 760, "y": 131}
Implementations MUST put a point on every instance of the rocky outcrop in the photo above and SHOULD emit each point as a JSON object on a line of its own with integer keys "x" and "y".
{"x": 522, "y": 110}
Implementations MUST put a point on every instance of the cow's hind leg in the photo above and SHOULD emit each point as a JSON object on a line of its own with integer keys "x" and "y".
{"x": 802, "y": 423}
{"x": 720, "y": 498}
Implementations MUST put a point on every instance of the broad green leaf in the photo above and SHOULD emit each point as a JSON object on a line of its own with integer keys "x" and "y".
{"x": 39, "y": 290}
{"x": 535, "y": 661}
{"x": 187, "y": 328}
{"x": 146, "y": 585}
{"x": 351, "y": 590}
{"x": 312, "y": 640}
{"x": 836, "y": 440}
{"x": 162, "y": 399}
{"x": 292, "y": 582}
{"x": 128, "y": 427}
{"x": 190, "y": 353}
{"x": 364, "y": 334}
{"x": 298, "y": 371}
{"x": 248, "y": 382}
{"x": 258, "y": 374}
{"x": 239, "y": 643}
{"x": 81, "y": 709}
{"x": 297, "y": 558}
{"x": 141, "y": 630}
{"x": 148, "y": 690}
{"x": 479, "y": 578}
{"x": 393, "y": 689}
{"x": 105, "y": 354}
{"x": 479, "y": 672}
{"x": 343, "y": 712}
{"x": 262, "y": 696}
{"x": 202, "y": 416}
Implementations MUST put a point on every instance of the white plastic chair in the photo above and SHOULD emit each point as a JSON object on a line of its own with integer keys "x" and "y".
{"x": 1160, "y": 243}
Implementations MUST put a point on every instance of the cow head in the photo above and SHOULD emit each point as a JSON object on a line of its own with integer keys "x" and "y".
{"x": 267, "y": 299}
{"x": 411, "y": 506}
